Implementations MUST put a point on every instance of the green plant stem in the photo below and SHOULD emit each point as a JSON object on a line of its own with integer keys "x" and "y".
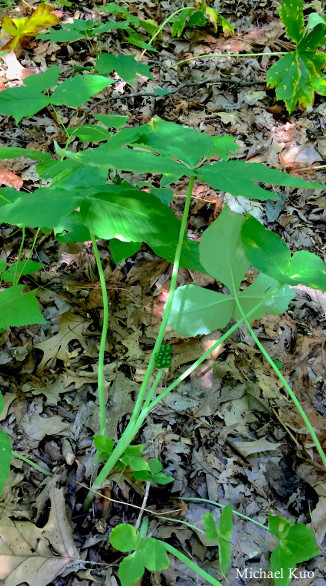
{"x": 100, "y": 376}
{"x": 222, "y": 507}
{"x": 19, "y": 255}
{"x": 208, "y": 55}
{"x": 153, "y": 388}
{"x": 131, "y": 430}
{"x": 161, "y": 28}
{"x": 183, "y": 558}
{"x": 168, "y": 305}
{"x": 31, "y": 463}
{"x": 30, "y": 254}
{"x": 289, "y": 391}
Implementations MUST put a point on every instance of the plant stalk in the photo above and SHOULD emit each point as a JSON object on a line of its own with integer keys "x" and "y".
{"x": 183, "y": 558}
{"x": 100, "y": 375}
{"x": 161, "y": 28}
{"x": 31, "y": 463}
{"x": 290, "y": 393}
{"x": 133, "y": 427}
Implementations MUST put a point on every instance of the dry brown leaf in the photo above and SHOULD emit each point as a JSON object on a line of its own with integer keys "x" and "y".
{"x": 71, "y": 328}
{"x": 9, "y": 178}
{"x": 247, "y": 448}
{"x": 26, "y": 551}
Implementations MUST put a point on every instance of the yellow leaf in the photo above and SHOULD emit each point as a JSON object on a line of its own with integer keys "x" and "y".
{"x": 19, "y": 28}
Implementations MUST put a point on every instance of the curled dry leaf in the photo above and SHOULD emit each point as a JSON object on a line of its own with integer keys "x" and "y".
{"x": 21, "y": 28}
{"x": 27, "y": 550}
{"x": 9, "y": 178}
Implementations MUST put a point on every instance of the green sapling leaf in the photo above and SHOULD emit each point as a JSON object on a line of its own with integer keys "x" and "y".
{"x": 13, "y": 152}
{"x": 90, "y": 133}
{"x": 179, "y": 22}
{"x": 3, "y": 266}
{"x": 77, "y": 90}
{"x": 111, "y": 120}
{"x": 103, "y": 444}
{"x": 239, "y": 178}
{"x": 137, "y": 463}
{"x": 25, "y": 267}
{"x": 221, "y": 250}
{"x": 126, "y": 66}
{"x": 125, "y": 538}
{"x": 18, "y": 309}
{"x": 297, "y": 544}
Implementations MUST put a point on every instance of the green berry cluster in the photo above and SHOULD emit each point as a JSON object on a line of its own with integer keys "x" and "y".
{"x": 163, "y": 357}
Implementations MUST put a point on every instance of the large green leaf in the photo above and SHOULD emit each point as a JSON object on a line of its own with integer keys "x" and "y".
{"x": 240, "y": 178}
{"x": 221, "y": 250}
{"x": 178, "y": 142}
{"x": 307, "y": 269}
{"x": 13, "y": 152}
{"x": 72, "y": 229}
{"x": 131, "y": 216}
{"x": 43, "y": 208}
{"x": 259, "y": 289}
{"x": 18, "y": 309}
{"x": 109, "y": 156}
{"x": 266, "y": 251}
{"x": 28, "y": 99}
{"x": 70, "y": 174}
{"x": 126, "y": 66}
{"x": 199, "y": 311}
{"x": 77, "y": 90}
{"x": 22, "y": 101}
{"x": 122, "y": 250}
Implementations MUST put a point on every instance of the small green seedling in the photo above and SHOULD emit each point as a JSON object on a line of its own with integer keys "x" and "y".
{"x": 132, "y": 461}
{"x": 296, "y": 544}
{"x": 199, "y": 15}
{"x": 299, "y": 74}
{"x": 222, "y": 534}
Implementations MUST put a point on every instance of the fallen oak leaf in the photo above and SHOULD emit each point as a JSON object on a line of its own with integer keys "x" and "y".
{"x": 27, "y": 550}
{"x": 9, "y": 178}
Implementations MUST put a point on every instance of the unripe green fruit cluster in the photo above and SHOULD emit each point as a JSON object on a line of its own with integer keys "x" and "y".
{"x": 163, "y": 357}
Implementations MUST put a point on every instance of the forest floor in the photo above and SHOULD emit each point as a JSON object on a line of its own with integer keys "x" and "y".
{"x": 228, "y": 433}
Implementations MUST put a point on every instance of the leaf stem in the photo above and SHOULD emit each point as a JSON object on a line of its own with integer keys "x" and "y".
{"x": 290, "y": 393}
{"x": 100, "y": 375}
{"x": 222, "y": 507}
{"x": 183, "y": 558}
{"x": 208, "y": 55}
{"x": 15, "y": 282}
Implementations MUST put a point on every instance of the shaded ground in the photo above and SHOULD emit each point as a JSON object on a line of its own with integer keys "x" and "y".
{"x": 49, "y": 373}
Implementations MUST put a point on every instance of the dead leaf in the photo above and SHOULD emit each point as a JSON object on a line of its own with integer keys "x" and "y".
{"x": 19, "y": 28}
{"x": 38, "y": 555}
{"x": 71, "y": 328}
{"x": 37, "y": 427}
{"x": 318, "y": 517}
{"x": 9, "y": 178}
{"x": 247, "y": 448}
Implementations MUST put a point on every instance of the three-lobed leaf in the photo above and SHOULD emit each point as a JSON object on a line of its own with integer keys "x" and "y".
{"x": 126, "y": 66}
{"x": 297, "y": 544}
{"x": 299, "y": 74}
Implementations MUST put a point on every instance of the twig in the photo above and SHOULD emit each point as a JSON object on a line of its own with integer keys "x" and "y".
{"x": 179, "y": 87}
{"x": 141, "y": 512}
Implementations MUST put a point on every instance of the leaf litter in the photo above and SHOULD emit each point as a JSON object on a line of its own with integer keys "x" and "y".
{"x": 228, "y": 433}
